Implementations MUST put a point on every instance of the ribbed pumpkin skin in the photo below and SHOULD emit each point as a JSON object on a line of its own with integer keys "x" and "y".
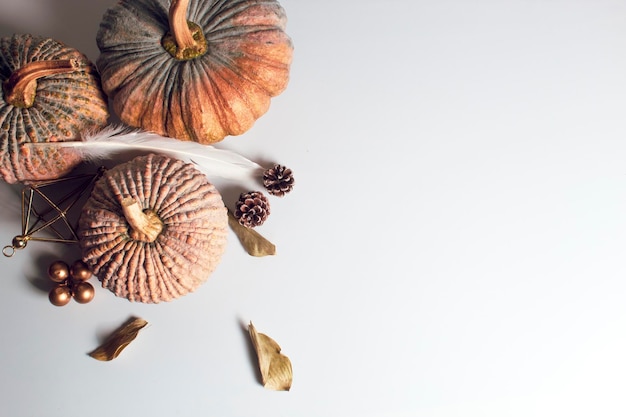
{"x": 65, "y": 106}
{"x": 220, "y": 93}
{"x": 185, "y": 252}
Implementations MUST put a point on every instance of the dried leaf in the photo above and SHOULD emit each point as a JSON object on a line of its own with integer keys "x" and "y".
{"x": 275, "y": 367}
{"x": 253, "y": 242}
{"x": 118, "y": 340}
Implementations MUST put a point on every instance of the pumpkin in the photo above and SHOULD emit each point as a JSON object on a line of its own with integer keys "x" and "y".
{"x": 50, "y": 93}
{"x": 153, "y": 229}
{"x": 196, "y": 70}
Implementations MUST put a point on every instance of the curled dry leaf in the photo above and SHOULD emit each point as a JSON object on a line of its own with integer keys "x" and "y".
{"x": 118, "y": 340}
{"x": 275, "y": 367}
{"x": 252, "y": 241}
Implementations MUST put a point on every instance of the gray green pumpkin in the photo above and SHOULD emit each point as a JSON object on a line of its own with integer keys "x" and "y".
{"x": 194, "y": 70}
{"x": 50, "y": 93}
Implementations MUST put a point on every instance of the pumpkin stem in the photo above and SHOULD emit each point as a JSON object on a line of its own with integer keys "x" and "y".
{"x": 146, "y": 225}
{"x": 185, "y": 40}
{"x": 20, "y": 88}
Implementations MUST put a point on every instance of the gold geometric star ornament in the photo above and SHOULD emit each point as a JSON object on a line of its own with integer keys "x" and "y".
{"x": 45, "y": 210}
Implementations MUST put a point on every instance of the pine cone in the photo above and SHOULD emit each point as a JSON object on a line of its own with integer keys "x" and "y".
{"x": 252, "y": 209}
{"x": 278, "y": 180}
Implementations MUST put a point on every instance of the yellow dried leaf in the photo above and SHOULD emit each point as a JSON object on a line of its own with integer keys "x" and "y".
{"x": 253, "y": 242}
{"x": 118, "y": 340}
{"x": 275, "y": 367}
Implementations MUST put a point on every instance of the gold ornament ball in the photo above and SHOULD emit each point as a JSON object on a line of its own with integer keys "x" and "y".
{"x": 83, "y": 292}
{"x": 58, "y": 271}
{"x": 60, "y": 295}
{"x": 80, "y": 271}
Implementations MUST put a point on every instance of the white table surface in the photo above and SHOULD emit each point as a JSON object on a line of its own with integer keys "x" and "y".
{"x": 454, "y": 245}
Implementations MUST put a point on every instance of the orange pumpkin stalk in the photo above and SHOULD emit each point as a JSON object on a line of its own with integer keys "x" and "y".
{"x": 185, "y": 40}
{"x": 145, "y": 226}
{"x": 21, "y": 87}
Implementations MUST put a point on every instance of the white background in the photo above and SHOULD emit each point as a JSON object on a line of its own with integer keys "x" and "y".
{"x": 454, "y": 245}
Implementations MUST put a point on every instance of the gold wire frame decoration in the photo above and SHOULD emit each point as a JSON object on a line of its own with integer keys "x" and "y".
{"x": 52, "y": 215}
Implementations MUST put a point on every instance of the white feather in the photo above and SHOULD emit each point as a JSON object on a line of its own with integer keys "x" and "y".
{"x": 115, "y": 141}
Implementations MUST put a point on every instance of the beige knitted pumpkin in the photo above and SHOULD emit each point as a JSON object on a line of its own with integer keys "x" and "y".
{"x": 153, "y": 229}
{"x": 50, "y": 93}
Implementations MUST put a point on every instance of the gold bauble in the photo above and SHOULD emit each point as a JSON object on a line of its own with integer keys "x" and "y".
{"x": 80, "y": 271}
{"x": 83, "y": 292}
{"x": 58, "y": 271}
{"x": 60, "y": 295}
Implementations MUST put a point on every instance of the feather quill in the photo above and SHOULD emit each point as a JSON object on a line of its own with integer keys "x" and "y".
{"x": 117, "y": 141}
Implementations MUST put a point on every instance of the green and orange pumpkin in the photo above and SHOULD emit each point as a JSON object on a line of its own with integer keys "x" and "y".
{"x": 192, "y": 69}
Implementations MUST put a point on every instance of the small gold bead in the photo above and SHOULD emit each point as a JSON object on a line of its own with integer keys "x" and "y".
{"x": 58, "y": 271}
{"x": 83, "y": 292}
{"x": 80, "y": 271}
{"x": 60, "y": 295}
{"x": 19, "y": 242}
